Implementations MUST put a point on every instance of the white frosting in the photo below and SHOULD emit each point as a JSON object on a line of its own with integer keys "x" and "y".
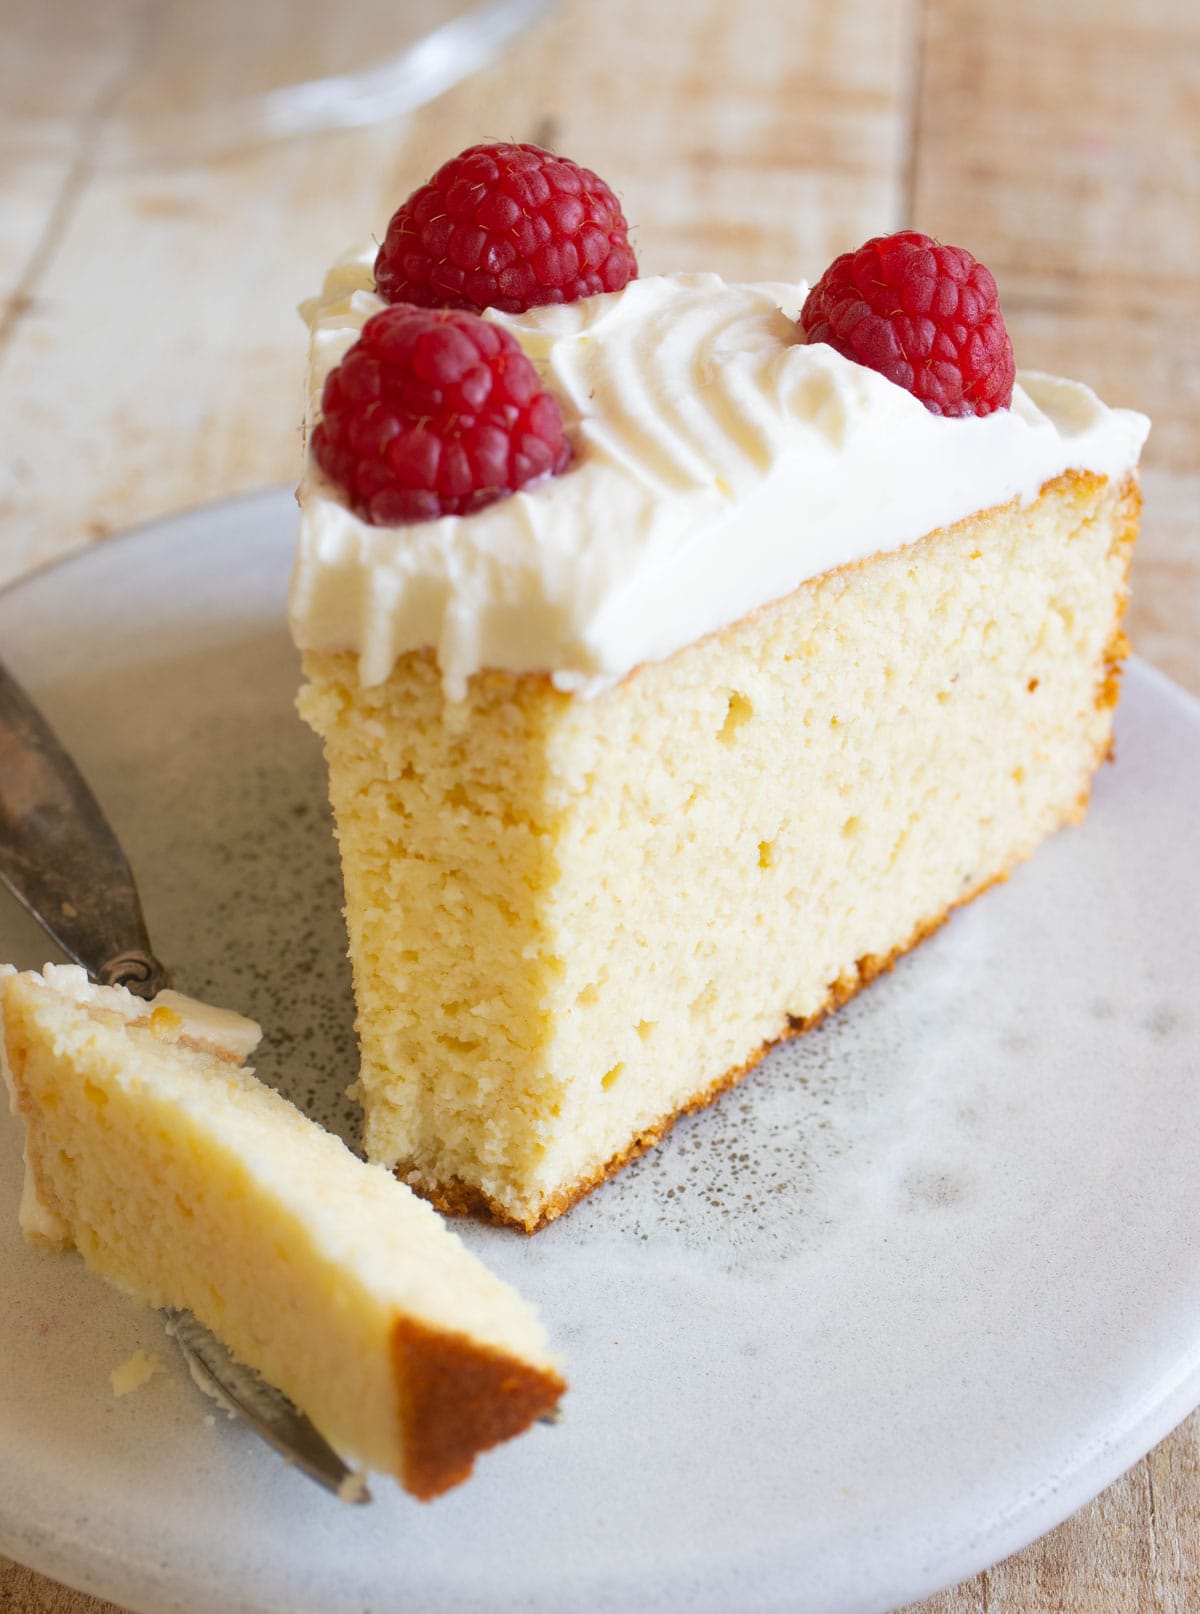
{"x": 221, "y": 1030}
{"x": 719, "y": 463}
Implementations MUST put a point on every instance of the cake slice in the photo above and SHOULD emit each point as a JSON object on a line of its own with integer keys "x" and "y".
{"x": 653, "y": 763}
{"x": 183, "y": 1180}
{"x": 571, "y": 920}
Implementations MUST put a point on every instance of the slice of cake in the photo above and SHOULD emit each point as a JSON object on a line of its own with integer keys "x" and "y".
{"x": 653, "y": 762}
{"x": 183, "y": 1180}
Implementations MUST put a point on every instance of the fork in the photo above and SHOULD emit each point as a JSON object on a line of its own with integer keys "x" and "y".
{"x": 61, "y": 859}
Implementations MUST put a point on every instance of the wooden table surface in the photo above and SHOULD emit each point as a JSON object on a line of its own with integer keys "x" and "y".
{"x": 151, "y": 358}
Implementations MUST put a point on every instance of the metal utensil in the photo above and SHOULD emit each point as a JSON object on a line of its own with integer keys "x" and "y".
{"x": 61, "y": 860}
{"x": 59, "y": 856}
{"x": 276, "y": 1419}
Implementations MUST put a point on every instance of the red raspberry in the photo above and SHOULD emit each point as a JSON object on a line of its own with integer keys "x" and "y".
{"x": 432, "y": 413}
{"x": 925, "y": 316}
{"x": 505, "y": 227}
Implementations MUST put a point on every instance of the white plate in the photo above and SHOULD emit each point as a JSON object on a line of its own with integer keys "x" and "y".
{"x": 923, "y": 1285}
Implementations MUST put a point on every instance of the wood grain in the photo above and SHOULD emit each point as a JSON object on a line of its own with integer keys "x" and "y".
{"x": 148, "y": 334}
{"x": 185, "y": 351}
{"x": 1062, "y": 143}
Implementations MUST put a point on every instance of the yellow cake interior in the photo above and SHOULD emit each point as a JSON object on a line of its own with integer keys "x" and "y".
{"x": 187, "y": 1182}
{"x": 571, "y": 919}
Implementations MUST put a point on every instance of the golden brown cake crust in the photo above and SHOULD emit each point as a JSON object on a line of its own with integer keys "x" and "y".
{"x": 1117, "y": 649}
{"x": 458, "y": 1398}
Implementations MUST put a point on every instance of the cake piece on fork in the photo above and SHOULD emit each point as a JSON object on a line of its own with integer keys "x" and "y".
{"x": 186, "y": 1182}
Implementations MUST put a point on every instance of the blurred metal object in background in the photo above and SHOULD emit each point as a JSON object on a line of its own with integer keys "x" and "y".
{"x": 242, "y": 75}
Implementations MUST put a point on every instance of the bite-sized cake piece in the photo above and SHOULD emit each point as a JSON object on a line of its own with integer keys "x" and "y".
{"x": 183, "y": 1180}
{"x": 653, "y": 762}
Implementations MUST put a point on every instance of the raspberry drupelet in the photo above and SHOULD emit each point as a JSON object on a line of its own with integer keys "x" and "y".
{"x": 435, "y": 412}
{"x": 924, "y": 315}
{"x": 508, "y": 227}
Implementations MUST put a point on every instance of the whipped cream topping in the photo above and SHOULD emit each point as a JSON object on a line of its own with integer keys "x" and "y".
{"x": 720, "y": 462}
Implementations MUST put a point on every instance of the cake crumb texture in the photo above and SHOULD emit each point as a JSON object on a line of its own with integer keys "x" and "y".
{"x": 131, "y": 1375}
{"x": 572, "y": 920}
{"x": 188, "y": 1183}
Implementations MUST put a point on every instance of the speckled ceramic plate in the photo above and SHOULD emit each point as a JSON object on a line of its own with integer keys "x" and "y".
{"x": 925, "y": 1283}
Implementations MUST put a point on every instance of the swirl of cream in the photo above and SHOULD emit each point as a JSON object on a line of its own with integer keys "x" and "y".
{"x": 720, "y": 462}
